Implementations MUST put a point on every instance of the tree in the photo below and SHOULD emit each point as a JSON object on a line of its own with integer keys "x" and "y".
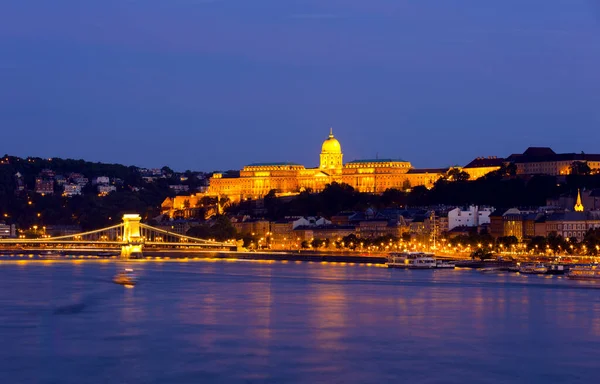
{"x": 271, "y": 203}
{"x": 167, "y": 171}
{"x": 537, "y": 243}
{"x": 208, "y": 201}
{"x": 592, "y": 241}
{"x": 556, "y": 242}
{"x": 508, "y": 240}
{"x": 199, "y": 231}
{"x": 505, "y": 170}
{"x": 392, "y": 197}
{"x": 482, "y": 254}
{"x": 580, "y": 168}
{"x": 222, "y": 229}
{"x": 318, "y": 243}
{"x": 456, "y": 174}
{"x": 351, "y": 241}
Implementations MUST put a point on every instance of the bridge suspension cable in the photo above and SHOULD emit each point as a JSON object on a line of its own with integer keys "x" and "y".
{"x": 178, "y": 236}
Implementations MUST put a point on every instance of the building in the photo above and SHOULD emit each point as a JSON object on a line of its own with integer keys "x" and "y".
{"x": 436, "y": 223}
{"x": 323, "y": 232}
{"x": 150, "y": 172}
{"x": 589, "y": 200}
{"x": 7, "y": 230}
{"x": 60, "y": 180}
{"x": 47, "y": 174}
{"x": 481, "y": 166}
{"x": 252, "y": 227}
{"x": 543, "y": 160}
{"x": 496, "y": 228}
{"x": 19, "y": 183}
{"x": 471, "y": 217}
{"x": 571, "y": 224}
{"x": 44, "y": 186}
{"x": 104, "y": 190}
{"x": 71, "y": 189}
{"x": 520, "y": 224}
{"x": 283, "y": 232}
{"x": 373, "y": 175}
{"x": 179, "y": 188}
{"x": 101, "y": 180}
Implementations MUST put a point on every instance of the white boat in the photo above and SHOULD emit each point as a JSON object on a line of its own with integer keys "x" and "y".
{"x": 584, "y": 273}
{"x": 425, "y": 262}
{"x": 445, "y": 264}
{"x": 403, "y": 259}
{"x": 533, "y": 269}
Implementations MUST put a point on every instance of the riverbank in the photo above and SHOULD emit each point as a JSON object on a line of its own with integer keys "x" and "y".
{"x": 199, "y": 255}
{"x": 293, "y": 256}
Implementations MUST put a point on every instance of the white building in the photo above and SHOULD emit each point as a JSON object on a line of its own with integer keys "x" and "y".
{"x": 180, "y": 188}
{"x": 81, "y": 181}
{"x": 101, "y": 180}
{"x": 472, "y": 217}
{"x": 104, "y": 190}
{"x": 71, "y": 189}
{"x": 7, "y": 230}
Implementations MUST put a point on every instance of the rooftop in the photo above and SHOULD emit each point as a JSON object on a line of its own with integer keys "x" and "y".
{"x": 377, "y": 161}
{"x": 428, "y": 170}
{"x": 273, "y": 164}
{"x": 485, "y": 162}
{"x": 542, "y": 154}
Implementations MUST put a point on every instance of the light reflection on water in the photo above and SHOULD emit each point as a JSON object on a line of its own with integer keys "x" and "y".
{"x": 308, "y": 322}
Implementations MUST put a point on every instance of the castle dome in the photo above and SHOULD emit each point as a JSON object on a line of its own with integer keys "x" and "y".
{"x": 331, "y": 145}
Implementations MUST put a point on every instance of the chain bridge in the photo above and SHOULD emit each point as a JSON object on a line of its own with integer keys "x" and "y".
{"x": 130, "y": 237}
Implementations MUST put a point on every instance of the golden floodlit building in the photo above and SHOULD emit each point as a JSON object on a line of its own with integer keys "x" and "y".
{"x": 374, "y": 176}
{"x": 257, "y": 180}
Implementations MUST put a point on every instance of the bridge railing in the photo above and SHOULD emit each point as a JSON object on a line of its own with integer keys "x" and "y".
{"x": 112, "y": 234}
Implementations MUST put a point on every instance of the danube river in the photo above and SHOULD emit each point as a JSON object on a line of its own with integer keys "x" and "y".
{"x": 255, "y": 322}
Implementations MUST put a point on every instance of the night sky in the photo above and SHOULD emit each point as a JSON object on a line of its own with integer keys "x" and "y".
{"x": 216, "y": 84}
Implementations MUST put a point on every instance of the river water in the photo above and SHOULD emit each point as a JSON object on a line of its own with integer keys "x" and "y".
{"x": 250, "y": 322}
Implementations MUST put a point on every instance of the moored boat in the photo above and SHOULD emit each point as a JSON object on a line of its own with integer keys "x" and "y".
{"x": 403, "y": 259}
{"x": 533, "y": 269}
{"x": 557, "y": 269}
{"x": 584, "y": 273}
{"x": 445, "y": 264}
{"x": 485, "y": 264}
{"x": 425, "y": 262}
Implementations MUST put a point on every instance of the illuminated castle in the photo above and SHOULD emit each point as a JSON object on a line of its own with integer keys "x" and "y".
{"x": 257, "y": 180}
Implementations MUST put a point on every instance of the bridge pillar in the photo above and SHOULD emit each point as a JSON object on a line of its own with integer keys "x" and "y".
{"x": 132, "y": 239}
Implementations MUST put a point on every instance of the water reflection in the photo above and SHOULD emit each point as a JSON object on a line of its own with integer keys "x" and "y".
{"x": 289, "y": 322}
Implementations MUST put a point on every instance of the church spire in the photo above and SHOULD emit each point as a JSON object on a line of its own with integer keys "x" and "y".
{"x": 578, "y": 205}
{"x": 330, "y": 132}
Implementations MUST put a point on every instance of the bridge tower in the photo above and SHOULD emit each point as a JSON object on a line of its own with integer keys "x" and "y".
{"x": 133, "y": 241}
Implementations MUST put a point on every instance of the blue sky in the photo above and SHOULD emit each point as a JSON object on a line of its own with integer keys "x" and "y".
{"x": 216, "y": 84}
